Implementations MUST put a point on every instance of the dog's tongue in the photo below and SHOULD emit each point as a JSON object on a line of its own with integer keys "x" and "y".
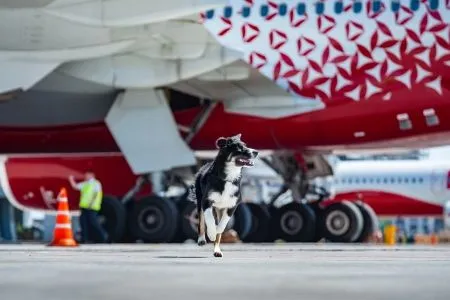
{"x": 244, "y": 161}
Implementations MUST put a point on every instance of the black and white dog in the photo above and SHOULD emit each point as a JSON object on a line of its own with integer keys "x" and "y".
{"x": 217, "y": 188}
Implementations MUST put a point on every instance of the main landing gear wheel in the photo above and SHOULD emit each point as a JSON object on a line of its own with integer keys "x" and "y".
{"x": 260, "y": 229}
{"x": 154, "y": 220}
{"x": 112, "y": 217}
{"x": 342, "y": 222}
{"x": 370, "y": 221}
{"x": 294, "y": 222}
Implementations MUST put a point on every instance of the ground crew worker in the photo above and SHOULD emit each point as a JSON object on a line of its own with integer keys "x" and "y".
{"x": 91, "y": 196}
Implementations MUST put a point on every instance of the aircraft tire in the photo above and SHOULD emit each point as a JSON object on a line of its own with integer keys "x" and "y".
{"x": 342, "y": 222}
{"x": 370, "y": 221}
{"x": 260, "y": 229}
{"x": 294, "y": 222}
{"x": 154, "y": 219}
{"x": 113, "y": 217}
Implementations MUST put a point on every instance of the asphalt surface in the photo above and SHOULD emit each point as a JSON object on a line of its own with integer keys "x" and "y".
{"x": 272, "y": 271}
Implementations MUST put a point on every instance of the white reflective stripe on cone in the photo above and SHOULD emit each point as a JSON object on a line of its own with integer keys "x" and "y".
{"x": 63, "y": 212}
{"x": 63, "y": 200}
{"x": 63, "y": 226}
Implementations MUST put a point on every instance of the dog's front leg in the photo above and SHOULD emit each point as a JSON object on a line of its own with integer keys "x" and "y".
{"x": 210, "y": 224}
{"x": 222, "y": 224}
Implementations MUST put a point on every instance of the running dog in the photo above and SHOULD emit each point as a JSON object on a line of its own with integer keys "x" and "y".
{"x": 217, "y": 188}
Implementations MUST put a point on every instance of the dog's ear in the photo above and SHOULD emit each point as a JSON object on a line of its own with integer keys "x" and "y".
{"x": 238, "y": 136}
{"x": 221, "y": 142}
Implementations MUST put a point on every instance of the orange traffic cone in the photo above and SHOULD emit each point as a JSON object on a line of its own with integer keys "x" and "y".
{"x": 63, "y": 234}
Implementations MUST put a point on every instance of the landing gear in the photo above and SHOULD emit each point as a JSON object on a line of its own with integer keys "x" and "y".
{"x": 308, "y": 217}
{"x": 310, "y": 221}
{"x": 154, "y": 220}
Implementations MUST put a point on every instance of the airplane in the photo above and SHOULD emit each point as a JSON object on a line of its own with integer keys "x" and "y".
{"x": 395, "y": 187}
{"x": 134, "y": 88}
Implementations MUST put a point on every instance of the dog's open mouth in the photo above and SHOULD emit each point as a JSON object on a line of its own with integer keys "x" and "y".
{"x": 243, "y": 161}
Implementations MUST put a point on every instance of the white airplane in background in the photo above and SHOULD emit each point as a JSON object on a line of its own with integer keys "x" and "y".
{"x": 395, "y": 187}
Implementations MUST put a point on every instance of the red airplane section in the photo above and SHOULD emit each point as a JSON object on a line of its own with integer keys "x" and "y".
{"x": 381, "y": 71}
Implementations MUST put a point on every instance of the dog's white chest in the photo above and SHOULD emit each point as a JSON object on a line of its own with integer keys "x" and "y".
{"x": 227, "y": 198}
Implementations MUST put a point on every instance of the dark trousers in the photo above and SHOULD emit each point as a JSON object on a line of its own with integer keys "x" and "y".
{"x": 91, "y": 229}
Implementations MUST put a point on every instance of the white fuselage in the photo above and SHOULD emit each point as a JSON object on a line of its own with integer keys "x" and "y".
{"x": 424, "y": 180}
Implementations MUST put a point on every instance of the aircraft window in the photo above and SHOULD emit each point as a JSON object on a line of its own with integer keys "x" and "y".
{"x": 395, "y": 6}
{"x": 434, "y": 4}
{"x": 392, "y": 180}
{"x": 357, "y": 7}
{"x": 344, "y": 180}
{"x": 264, "y": 10}
{"x": 301, "y": 8}
{"x": 338, "y": 7}
{"x": 210, "y": 14}
{"x": 420, "y": 180}
{"x": 404, "y": 122}
{"x": 430, "y": 117}
{"x": 385, "y": 180}
{"x": 370, "y": 180}
{"x": 378, "y": 180}
{"x": 357, "y": 180}
{"x": 282, "y": 9}
{"x": 320, "y": 8}
{"x": 350, "y": 181}
{"x": 246, "y": 11}
{"x": 376, "y": 5}
{"x": 363, "y": 180}
{"x": 227, "y": 12}
{"x": 406, "y": 180}
{"x": 415, "y": 5}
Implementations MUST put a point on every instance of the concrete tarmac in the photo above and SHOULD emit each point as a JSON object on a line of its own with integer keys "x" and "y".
{"x": 250, "y": 272}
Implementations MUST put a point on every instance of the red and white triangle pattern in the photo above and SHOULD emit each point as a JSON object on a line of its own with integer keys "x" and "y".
{"x": 249, "y": 32}
{"x": 370, "y": 55}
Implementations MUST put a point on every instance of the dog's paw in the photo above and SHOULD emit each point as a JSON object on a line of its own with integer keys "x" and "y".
{"x": 201, "y": 241}
{"x": 218, "y": 254}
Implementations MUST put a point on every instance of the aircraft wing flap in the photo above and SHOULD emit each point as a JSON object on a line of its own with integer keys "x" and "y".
{"x": 231, "y": 82}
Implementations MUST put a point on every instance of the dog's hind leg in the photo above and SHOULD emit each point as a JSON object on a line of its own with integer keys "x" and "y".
{"x": 201, "y": 228}
{"x": 197, "y": 193}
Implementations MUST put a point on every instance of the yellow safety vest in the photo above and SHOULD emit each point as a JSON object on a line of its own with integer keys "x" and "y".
{"x": 86, "y": 193}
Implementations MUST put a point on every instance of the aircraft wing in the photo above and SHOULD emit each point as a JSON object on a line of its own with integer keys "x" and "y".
{"x": 245, "y": 90}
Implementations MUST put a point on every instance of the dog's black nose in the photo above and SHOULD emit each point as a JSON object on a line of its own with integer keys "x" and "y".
{"x": 255, "y": 153}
